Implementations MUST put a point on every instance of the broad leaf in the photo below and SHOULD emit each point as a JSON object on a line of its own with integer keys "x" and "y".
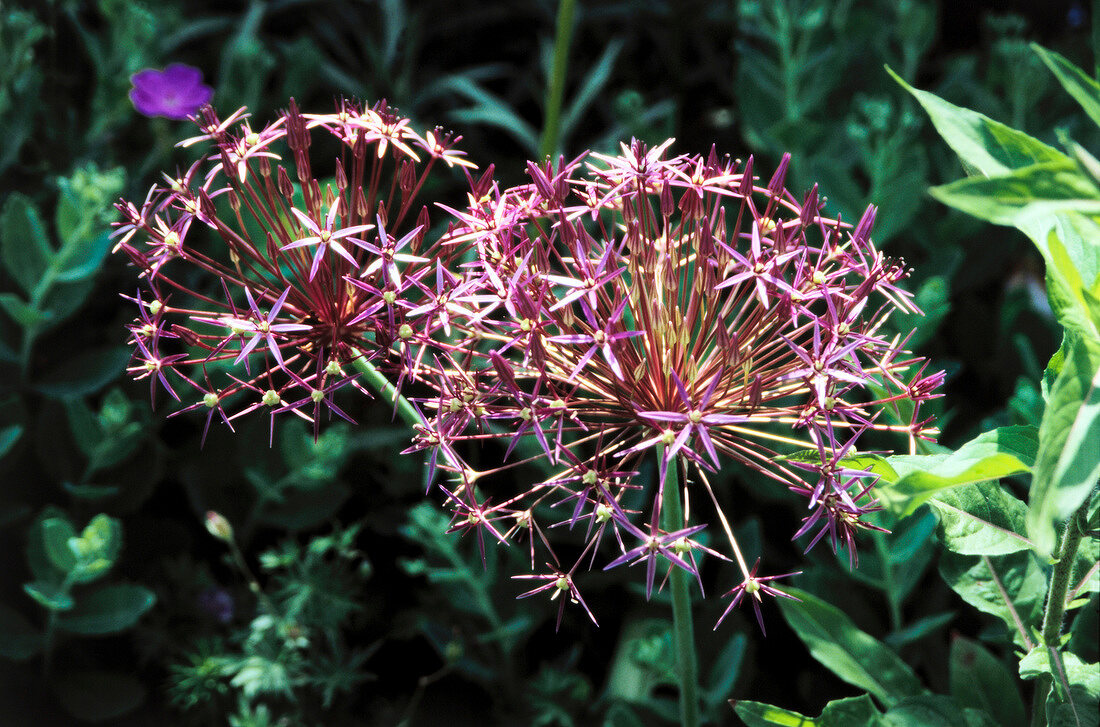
{"x": 1011, "y": 587}
{"x": 981, "y": 519}
{"x": 56, "y": 534}
{"x": 990, "y": 456}
{"x": 1080, "y": 705}
{"x": 1021, "y": 195}
{"x": 1085, "y": 90}
{"x": 848, "y": 712}
{"x": 24, "y": 246}
{"x": 990, "y": 147}
{"x": 108, "y": 610}
{"x": 49, "y": 595}
{"x": 981, "y": 681}
{"x": 1068, "y": 462}
{"x": 84, "y": 373}
{"x": 851, "y": 654}
{"x": 934, "y": 710}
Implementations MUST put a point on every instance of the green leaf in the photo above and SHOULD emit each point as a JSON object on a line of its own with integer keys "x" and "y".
{"x": 1068, "y": 461}
{"x": 49, "y": 595}
{"x": 848, "y": 712}
{"x": 1084, "y": 90}
{"x": 1021, "y": 195}
{"x": 981, "y": 519}
{"x": 854, "y": 656}
{"x": 988, "y": 146}
{"x": 928, "y": 710}
{"x": 86, "y": 260}
{"x": 989, "y": 456}
{"x": 65, "y": 299}
{"x": 1011, "y": 587}
{"x": 898, "y": 559}
{"x": 56, "y": 534}
{"x": 108, "y": 610}
{"x": 19, "y": 640}
{"x": 98, "y": 696}
{"x": 758, "y": 714}
{"x": 1072, "y": 256}
{"x": 22, "y": 312}
{"x": 1078, "y": 706}
{"x": 85, "y": 373}
{"x": 981, "y": 681}
{"x": 24, "y": 246}
{"x": 724, "y": 673}
{"x": 8, "y": 437}
{"x": 918, "y": 629}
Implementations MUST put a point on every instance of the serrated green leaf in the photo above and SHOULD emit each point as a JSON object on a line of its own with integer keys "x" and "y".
{"x": 98, "y": 696}
{"x": 84, "y": 373}
{"x": 1083, "y": 89}
{"x": 108, "y": 610}
{"x": 24, "y": 245}
{"x": 1011, "y": 587}
{"x": 49, "y": 595}
{"x": 1068, "y": 461}
{"x": 989, "y": 456}
{"x": 19, "y": 639}
{"x": 851, "y": 654}
{"x": 981, "y": 519}
{"x": 979, "y": 680}
{"x": 990, "y": 147}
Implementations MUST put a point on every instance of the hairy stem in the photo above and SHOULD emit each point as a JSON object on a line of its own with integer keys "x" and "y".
{"x": 1060, "y": 579}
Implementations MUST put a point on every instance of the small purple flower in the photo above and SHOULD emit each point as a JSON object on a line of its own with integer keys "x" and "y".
{"x": 218, "y": 603}
{"x": 174, "y": 93}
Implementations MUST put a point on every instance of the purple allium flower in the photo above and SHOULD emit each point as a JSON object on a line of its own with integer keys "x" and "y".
{"x": 263, "y": 285}
{"x": 642, "y": 307}
{"x": 177, "y": 92}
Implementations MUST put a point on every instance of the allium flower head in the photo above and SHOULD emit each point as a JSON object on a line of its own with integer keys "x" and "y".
{"x": 683, "y": 311}
{"x": 177, "y": 92}
{"x": 262, "y": 282}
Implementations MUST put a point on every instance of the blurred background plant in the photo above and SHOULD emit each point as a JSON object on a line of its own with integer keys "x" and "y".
{"x": 123, "y": 609}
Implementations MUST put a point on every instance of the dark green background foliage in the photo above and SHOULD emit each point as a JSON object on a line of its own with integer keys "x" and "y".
{"x": 346, "y": 603}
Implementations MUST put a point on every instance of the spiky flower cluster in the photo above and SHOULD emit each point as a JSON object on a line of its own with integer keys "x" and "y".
{"x": 615, "y": 312}
{"x": 299, "y": 277}
{"x": 675, "y": 309}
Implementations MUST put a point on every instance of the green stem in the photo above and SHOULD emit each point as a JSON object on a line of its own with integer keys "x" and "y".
{"x": 1060, "y": 579}
{"x": 1056, "y": 605}
{"x": 548, "y": 142}
{"x": 378, "y": 382}
{"x": 683, "y": 630}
